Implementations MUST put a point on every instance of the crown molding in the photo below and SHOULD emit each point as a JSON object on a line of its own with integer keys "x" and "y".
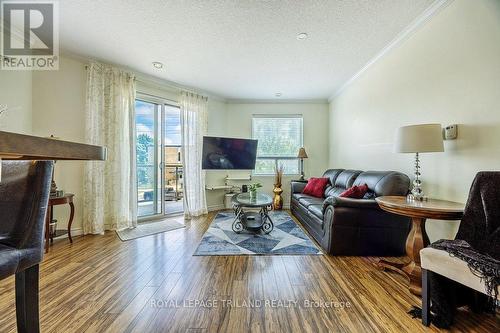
{"x": 404, "y": 35}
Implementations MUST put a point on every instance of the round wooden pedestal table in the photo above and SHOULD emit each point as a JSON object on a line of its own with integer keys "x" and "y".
{"x": 417, "y": 239}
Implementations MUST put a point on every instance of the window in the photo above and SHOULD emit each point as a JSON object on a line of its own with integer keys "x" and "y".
{"x": 280, "y": 138}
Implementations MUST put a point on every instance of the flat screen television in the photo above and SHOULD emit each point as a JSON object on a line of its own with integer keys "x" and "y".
{"x": 228, "y": 153}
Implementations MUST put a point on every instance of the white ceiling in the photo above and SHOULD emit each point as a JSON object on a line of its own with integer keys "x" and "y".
{"x": 239, "y": 49}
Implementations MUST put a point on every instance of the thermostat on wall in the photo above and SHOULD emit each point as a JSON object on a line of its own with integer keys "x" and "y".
{"x": 450, "y": 132}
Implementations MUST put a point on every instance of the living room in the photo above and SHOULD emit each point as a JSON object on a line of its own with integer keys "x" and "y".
{"x": 334, "y": 94}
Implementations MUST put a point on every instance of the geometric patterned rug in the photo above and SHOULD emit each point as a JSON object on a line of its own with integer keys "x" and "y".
{"x": 287, "y": 238}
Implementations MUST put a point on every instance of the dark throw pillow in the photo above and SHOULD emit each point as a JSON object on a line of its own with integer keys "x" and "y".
{"x": 315, "y": 187}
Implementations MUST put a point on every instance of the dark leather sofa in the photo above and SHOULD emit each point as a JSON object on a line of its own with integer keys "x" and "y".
{"x": 357, "y": 227}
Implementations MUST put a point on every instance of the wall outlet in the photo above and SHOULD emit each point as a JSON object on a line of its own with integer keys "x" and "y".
{"x": 450, "y": 132}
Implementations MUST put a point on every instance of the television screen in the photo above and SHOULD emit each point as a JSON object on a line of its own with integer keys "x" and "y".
{"x": 228, "y": 153}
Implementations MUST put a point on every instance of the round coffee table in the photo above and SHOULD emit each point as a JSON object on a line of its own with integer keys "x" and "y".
{"x": 417, "y": 239}
{"x": 252, "y": 220}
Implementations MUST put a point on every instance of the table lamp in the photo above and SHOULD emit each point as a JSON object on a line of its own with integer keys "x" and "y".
{"x": 425, "y": 138}
{"x": 302, "y": 154}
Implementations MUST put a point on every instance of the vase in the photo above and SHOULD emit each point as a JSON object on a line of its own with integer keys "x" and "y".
{"x": 277, "y": 200}
{"x": 253, "y": 194}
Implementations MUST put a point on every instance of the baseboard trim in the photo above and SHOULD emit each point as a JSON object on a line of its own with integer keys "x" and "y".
{"x": 74, "y": 232}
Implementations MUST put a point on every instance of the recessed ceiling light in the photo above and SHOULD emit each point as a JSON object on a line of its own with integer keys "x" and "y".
{"x": 278, "y": 94}
{"x": 302, "y": 36}
{"x": 157, "y": 65}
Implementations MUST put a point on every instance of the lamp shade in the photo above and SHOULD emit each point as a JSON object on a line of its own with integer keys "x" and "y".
{"x": 302, "y": 153}
{"x": 425, "y": 138}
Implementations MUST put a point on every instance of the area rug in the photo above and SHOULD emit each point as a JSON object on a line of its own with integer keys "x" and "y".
{"x": 287, "y": 238}
{"x": 146, "y": 229}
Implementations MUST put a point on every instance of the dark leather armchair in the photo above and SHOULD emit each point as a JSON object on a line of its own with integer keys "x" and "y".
{"x": 456, "y": 276}
{"x": 24, "y": 194}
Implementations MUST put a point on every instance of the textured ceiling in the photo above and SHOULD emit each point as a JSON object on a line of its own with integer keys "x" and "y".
{"x": 239, "y": 48}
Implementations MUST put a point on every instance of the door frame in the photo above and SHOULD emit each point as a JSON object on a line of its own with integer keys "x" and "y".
{"x": 158, "y": 160}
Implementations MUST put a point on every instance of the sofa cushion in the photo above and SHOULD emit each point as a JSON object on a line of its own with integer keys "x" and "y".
{"x": 384, "y": 182}
{"x": 317, "y": 210}
{"x": 297, "y": 196}
{"x": 332, "y": 175}
{"x": 346, "y": 178}
{"x": 316, "y": 187}
{"x": 307, "y": 201}
{"x": 334, "y": 192}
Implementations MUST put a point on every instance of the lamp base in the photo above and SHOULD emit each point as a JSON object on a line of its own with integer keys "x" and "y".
{"x": 416, "y": 192}
{"x": 301, "y": 169}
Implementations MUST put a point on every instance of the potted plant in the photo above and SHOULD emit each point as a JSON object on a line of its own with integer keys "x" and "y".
{"x": 252, "y": 189}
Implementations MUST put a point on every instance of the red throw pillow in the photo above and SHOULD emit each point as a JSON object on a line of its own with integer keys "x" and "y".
{"x": 315, "y": 187}
{"x": 355, "y": 192}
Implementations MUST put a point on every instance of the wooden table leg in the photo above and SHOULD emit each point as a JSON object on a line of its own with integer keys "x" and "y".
{"x": 71, "y": 215}
{"x": 417, "y": 239}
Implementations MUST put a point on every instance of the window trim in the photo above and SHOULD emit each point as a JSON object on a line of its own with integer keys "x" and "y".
{"x": 276, "y": 158}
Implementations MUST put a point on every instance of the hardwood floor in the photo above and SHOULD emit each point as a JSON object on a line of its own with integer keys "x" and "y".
{"x": 151, "y": 284}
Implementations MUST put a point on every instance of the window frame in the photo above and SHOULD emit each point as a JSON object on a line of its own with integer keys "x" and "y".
{"x": 277, "y": 158}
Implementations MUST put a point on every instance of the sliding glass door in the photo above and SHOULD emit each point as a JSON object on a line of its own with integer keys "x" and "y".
{"x": 159, "y": 166}
{"x": 173, "y": 170}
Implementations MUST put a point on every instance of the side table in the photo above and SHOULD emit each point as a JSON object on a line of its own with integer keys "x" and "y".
{"x": 54, "y": 201}
{"x": 417, "y": 239}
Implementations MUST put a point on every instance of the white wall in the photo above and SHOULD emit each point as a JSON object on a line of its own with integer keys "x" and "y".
{"x": 238, "y": 123}
{"x": 58, "y": 109}
{"x": 217, "y": 123}
{"x": 15, "y": 92}
{"x": 448, "y": 72}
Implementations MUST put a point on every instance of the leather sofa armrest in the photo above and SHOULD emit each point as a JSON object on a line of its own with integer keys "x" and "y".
{"x": 349, "y": 202}
{"x": 297, "y": 187}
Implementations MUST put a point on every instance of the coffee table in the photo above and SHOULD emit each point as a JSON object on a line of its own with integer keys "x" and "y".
{"x": 252, "y": 220}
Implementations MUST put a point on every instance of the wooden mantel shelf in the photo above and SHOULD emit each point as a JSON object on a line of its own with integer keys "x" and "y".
{"x": 14, "y": 146}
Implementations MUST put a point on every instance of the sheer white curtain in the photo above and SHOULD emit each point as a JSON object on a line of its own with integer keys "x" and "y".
{"x": 193, "y": 127}
{"x": 109, "y": 190}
